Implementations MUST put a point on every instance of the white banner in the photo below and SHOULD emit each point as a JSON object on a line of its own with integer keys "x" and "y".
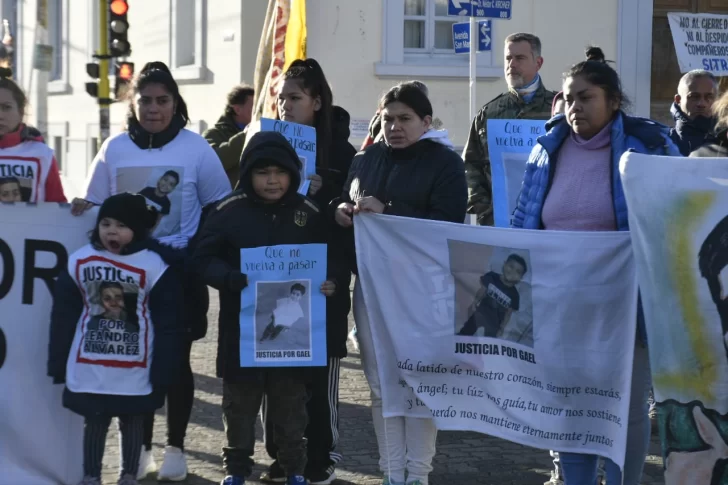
{"x": 701, "y": 41}
{"x": 560, "y": 309}
{"x": 40, "y": 441}
{"x": 679, "y": 221}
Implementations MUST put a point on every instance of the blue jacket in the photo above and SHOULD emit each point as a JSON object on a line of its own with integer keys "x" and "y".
{"x": 628, "y": 133}
{"x": 169, "y": 339}
{"x": 689, "y": 135}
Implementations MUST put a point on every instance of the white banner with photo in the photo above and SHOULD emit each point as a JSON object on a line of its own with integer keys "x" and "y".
{"x": 40, "y": 441}
{"x": 528, "y": 336}
{"x": 679, "y": 221}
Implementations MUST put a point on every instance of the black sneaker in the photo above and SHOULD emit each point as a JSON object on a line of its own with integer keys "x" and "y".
{"x": 275, "y": 474}
{"x": 322, "y": 476}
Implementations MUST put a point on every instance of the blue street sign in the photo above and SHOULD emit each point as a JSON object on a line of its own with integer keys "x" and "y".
{"x": 494, "y": 9}
{"x": 461, "y": 36}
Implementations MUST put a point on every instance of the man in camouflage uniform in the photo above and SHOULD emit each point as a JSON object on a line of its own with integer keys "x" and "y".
{"x": 526, "y": 98}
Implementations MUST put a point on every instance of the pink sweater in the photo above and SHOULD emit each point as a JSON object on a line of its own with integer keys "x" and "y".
{"x": 580, "y": 198}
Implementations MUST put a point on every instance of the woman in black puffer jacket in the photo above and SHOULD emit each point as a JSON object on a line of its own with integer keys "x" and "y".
{"x": 413, "y": 172}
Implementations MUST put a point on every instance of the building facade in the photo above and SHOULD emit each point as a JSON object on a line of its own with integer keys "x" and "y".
{"x": 364, "y": 48}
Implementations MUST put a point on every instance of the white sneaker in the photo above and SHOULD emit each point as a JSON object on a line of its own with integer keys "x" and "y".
{"x": 147, "y": 465}
{"x": 174, "y": 466}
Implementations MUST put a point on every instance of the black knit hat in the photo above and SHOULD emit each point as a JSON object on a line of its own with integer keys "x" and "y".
{"x": 131, "y": 210}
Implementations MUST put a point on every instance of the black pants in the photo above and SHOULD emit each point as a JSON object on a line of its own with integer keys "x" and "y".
{"x": 179, "y": 407}
{"x": 322, "y": 432}
{"x": 94, "y": 442}
{"x": 286, "y": 391}
{"x": 471, "y": 326}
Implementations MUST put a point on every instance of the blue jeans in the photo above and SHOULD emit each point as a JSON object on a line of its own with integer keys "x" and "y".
{"x": 580, "y": 469}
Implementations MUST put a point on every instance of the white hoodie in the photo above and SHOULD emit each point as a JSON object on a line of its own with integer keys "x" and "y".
{"x": 438, "y": 136}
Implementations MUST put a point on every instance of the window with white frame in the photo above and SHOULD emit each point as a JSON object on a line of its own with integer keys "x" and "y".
{"x": 189, "y": 25}
{"x": 417, "y": 41}
{"x": 58, "y": 39}
{"x": 11, "y": 13}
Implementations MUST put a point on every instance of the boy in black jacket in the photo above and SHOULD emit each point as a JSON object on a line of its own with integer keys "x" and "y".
{"x": 266, "y": 210}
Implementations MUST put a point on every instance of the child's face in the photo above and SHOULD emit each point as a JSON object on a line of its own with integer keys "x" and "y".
{"x": 114, "y": 235}
{"x": 166, "y": 184}
{"x": 296, "y": 295}
{"x": 113, "y": 301}
{"x": 513, "y": 272}
{"x": 10, "y": 192}
{"x": 10, "y": 115}
{"x": 271, "y": 183}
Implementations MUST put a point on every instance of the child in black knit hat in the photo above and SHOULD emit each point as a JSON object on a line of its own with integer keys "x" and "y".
{"x": 116, "y": 333}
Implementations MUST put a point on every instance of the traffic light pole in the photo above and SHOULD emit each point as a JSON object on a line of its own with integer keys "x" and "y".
{"x": 104, "y": 94}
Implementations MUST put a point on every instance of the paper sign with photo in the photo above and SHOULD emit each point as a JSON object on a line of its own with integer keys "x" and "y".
{"x": 283, "y": 312}
{"x": 301, "y": 137}
{"x": 509, "y": 144}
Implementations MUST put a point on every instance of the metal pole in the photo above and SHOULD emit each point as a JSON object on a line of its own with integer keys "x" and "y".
{"x": 473, "y": 64}
{"x": 42, "y": 63}
{"x": 104, "y": 92}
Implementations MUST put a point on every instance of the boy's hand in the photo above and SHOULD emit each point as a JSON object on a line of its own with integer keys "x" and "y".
{"x": 328, "y": 288}
{"x": 343, "y": 214}
{"x": 316, "y": 183}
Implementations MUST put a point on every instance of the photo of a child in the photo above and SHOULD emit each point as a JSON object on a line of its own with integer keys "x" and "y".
{"x": 288, "y": 311}
{"x": 10, "y": 190}
{"x": 114, "y": 301}
{"x": 158, "y": 196}
{"x": 492, "y": 292}
{"x": 162, "y": 187}
{"x": 496, "y": 300}
{"x": 283, "y": 315}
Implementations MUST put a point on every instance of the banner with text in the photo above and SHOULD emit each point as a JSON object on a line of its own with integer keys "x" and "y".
{"x": 701, "y": 41}
{"x": 443, "y": 301}
{"x": 283, "y": 312}
{"x": 509, "y": 144}
{"x": 301, "y": 137}
{"x": 679, "y": 222}
{"x": 40, "y": 441}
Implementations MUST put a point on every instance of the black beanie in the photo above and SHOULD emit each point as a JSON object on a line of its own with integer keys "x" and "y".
{"x": 131, "y": 210}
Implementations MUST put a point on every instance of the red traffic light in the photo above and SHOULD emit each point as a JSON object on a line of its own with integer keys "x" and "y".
{"x": 119, "y": 7}
{"x": 126, "y": 71}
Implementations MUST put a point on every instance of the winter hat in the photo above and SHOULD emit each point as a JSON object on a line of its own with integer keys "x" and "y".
{"x": 131, "y": 210}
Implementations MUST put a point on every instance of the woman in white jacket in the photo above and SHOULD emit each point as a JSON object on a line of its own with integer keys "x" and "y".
{"x": 179, "y": 174}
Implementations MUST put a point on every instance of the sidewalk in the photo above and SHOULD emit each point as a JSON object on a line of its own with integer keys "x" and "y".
{"x": 462, "y": 458}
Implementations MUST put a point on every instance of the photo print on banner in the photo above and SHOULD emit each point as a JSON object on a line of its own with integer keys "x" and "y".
{"x": 161, "y": 187}
{"x": 114, "y": 329}
{"x": 493, "y": 301}
{"x": 679, "y": 226}
{"x": 19, "y": 179}
{"x": 283, "y": 312}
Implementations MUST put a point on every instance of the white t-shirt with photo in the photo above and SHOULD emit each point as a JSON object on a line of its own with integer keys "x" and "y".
{"x": 121, "y": 166}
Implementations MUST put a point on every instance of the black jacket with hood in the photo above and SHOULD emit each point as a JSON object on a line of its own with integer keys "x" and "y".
{"x": 169, "y": 337}
{"x": 423, "y": 181}
{"x": 689, "y": 135}
{"x": 243, "y": 220}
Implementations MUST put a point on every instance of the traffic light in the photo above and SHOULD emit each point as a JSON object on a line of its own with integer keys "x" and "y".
{"x": 92, "y": 88}
{"x": 119, "y": 28}
{"x": 124, "y": 76}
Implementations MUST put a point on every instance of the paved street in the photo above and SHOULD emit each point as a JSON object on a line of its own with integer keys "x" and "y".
{"x": 462, "y": 458}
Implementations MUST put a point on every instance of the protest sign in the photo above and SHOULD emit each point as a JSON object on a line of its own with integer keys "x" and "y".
{"x": 701, "y": 41}
{"x": 509, "y": 144}
{"x": 301, "y": 137}
{"x": 283, "y": 312}
{"x": 679, "y": 223}
{"x": 441, "y": 299}
{"x": 40, "y": 441}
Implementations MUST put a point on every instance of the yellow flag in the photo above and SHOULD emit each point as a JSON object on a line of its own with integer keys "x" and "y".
{"x": 296, "y": 33}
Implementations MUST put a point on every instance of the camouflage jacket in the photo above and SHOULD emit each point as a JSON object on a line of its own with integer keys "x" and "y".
{"x": 508, "y": 105}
